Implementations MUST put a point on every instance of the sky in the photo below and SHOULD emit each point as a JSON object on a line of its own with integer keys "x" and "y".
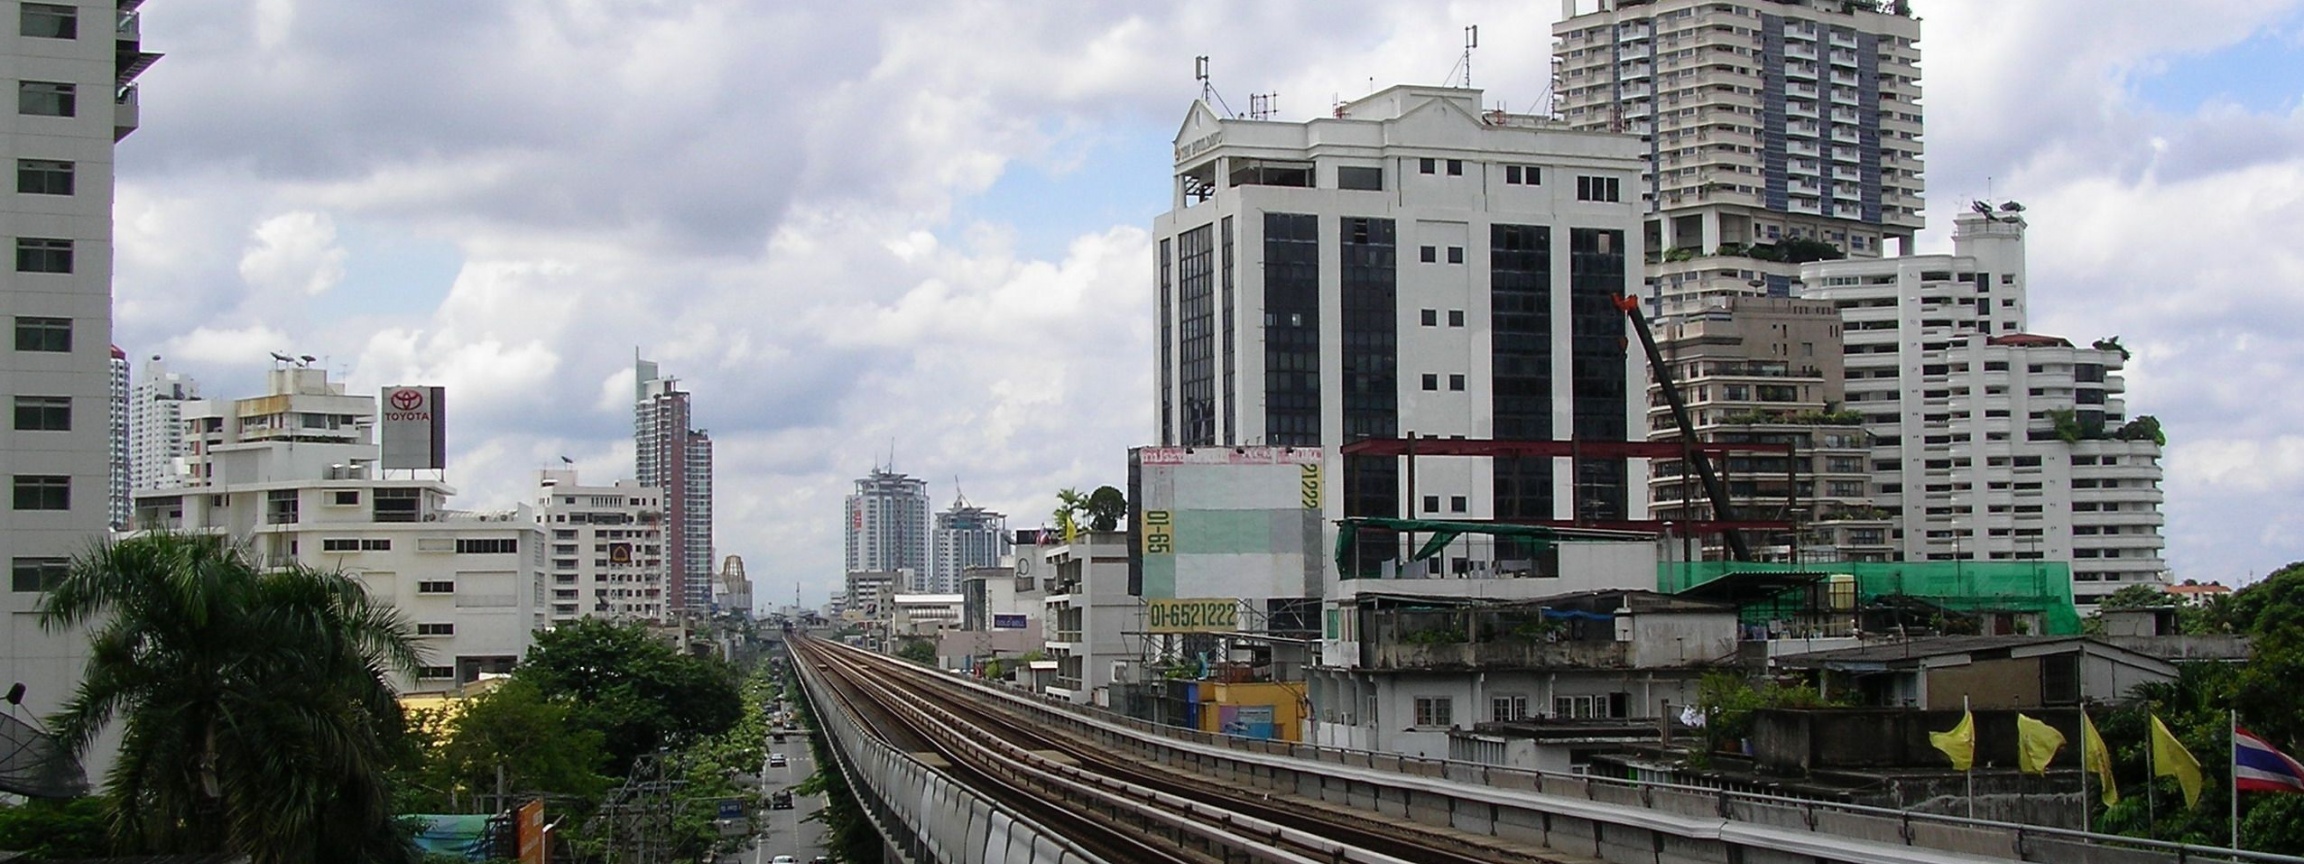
{"x": 919, "y": 235}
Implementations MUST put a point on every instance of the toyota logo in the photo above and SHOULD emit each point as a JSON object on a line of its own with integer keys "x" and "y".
{"x": 407, "y": 400}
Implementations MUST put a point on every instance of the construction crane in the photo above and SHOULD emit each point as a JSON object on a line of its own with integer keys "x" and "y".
{"x": 1713, "y": 488}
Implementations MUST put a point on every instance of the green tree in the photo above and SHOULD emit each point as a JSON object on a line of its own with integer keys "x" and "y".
{"x": 254, "y": 709}
{"x": 2140, "y": 596}
{"x": 1106, "y": 507}
{"x": 1071, "y": 510}
{"x": 55, "y": 829}
{"x": 635, "y": 689}
{"x": 919, "y": 651}
{"x": 535, "y": 740}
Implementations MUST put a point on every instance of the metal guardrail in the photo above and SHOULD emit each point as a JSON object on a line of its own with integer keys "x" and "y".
{"x": 1920, "y": 831}
{"x": 925, "y": 815}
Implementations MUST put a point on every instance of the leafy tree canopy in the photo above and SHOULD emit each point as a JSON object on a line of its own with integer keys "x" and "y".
{"x": 638, "y": 692}
{"x": 1106, "y": 507}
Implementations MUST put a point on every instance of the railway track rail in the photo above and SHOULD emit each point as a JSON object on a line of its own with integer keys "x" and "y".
{"x": 1120, "y": 809}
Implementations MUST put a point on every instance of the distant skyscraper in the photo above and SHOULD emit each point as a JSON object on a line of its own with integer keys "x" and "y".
{"x": 156, "y": 426}
{"x": 888, "y": 524}
{"x": 671, "y": 454}
{"x": 116, "y": 427}
{"x": 965, "y": 536}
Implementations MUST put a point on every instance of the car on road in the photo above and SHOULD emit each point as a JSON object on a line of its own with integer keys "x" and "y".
{"x": 784, "y": 859}
{"x": 782, "y": 800}
{"x": 776, "y": 760}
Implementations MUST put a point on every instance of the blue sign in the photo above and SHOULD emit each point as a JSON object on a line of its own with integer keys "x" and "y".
{"x": 1008, "y": 622}
{"x": 731, "y": 808}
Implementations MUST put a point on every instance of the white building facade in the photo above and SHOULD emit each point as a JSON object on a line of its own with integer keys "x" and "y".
{"x": 964, "y": 536}
{"x": 1089, "y": 613}
{"x": 74, "y": 65}
{"x": 1990, "y": 443}
{"x": 1415, "y": 264}
{"x": 1763, "y": 123}
{"x": 607, "y": 553}
{"x": 156, "y": 426}
{"x": 293, "y": 475}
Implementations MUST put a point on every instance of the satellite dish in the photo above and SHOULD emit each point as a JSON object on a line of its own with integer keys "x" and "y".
{"x": 2012, "y": 207}
{"x": 32, "y": 764}
{"x": 1980, "y": 207}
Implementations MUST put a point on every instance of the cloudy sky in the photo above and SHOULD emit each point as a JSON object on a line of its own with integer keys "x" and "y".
{"x": 922, "y": 229}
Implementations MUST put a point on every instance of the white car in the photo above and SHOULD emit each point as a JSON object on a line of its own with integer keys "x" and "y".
{"x": 784, "y": 859}
{"x": 775, "y": 760}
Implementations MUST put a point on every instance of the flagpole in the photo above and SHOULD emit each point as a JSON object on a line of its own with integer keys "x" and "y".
{"x": 2085, "y": 816}
{"x": 2232, "y": 768}
{"x": 1971, "y": 718}
{"x": 2151, "y": 781}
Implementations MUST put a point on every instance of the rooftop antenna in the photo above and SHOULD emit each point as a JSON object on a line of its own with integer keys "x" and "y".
{"x": 1261, "y": 106}
{"x": 1208, "y": 86}
{"x": 1464, "y": 64}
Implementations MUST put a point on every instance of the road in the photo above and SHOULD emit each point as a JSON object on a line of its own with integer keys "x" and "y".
{"x": 782, "y": 831}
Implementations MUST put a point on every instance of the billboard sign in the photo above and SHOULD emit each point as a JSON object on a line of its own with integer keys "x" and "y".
{"x": 1008, "y": 622}
{"x": 413, "y": 428}
{"x": 619, "y": 553}
{"x": 531, "y": 833}
{"x": 1192, "y": 615}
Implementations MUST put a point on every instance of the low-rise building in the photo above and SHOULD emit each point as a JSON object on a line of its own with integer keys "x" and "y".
{"x": 1089, "y": 611}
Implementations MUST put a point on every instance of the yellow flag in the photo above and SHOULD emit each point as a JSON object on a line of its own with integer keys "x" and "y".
{"x": 2036, "y": 744}
{"x": 1960, "y": 743}
{"x": 2170, "y": 759}
{"x": 2095, "y": 757}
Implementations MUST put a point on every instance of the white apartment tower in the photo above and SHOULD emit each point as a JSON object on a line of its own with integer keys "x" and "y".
{"x": 1416, "y": 263}
{"x": 887, "y": 526}
{"x": 671, "y": 454}
{"x": 607, "y": 548}
{"x": 73, "y": 64}
{"x": 293, "y": 474}
{"x": 156, "y": 426}
{"x": 965, "y": 536}
{"x": 1990, "y": 443}
{"x": 116, "y": 430}
{"x": 1775, "y": 131}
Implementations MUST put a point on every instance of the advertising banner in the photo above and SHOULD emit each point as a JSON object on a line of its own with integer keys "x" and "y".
{"x": 412, "y": 428}
{"x": 1194, "y": 615}
{"x": 1008, "y": 622}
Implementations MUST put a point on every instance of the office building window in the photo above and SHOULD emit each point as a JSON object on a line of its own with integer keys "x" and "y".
{"x": 1427, "y": 166}
{"x": 1456, "y": 383}
{"x": 43, "y": 255}
{"x": 50, "y": 21}
{"x": 280, "y": 507}
{"x": 1431, "y": 317}
{"x": 487, "y": 545}
{"x": 1364, "y": 179}
{"x": 1431, "y": 503}
{"x": 397, "y": 505}
{"x": 43, "y": 413}
{"x": 43, "y": 492}
{"x": 442, "y": 586}
{"x": 1455, "y": 317}
{"x": 45, "y": 98}
{"x": 43, "y": 334}
{"x": 1455, "y": 167}
{"x": 435, "y": 629}
{"x": 37, "y": 574}
{"x": 1431, "y": 381}
{"x": 43, "y": 177}
{"x": 1455, "y": 254}
{"x": 1596, "y": 189}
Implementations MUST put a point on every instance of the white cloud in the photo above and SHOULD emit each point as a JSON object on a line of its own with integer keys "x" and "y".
{"x": 294, "y": 253}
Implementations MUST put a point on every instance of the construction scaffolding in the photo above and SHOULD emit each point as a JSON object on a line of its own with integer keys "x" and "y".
{"x": 1987, "y": 594}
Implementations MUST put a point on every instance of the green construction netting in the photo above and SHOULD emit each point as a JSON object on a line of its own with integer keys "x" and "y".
{"x": 2042, "y": 587}
{"x": 1443, "y": 533}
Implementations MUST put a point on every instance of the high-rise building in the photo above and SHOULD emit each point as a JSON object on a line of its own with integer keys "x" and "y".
{"x": 1775, "y": 132}
{"x": 74, "y": 64}
{"x": 670, "y": 453}
{"x": 734, "y": 594}
{"x": 608, "y": 550}
{"x": 1767, "y": 370}
{"x": 156, "y": 426}
{"x": 887, "y": 526}
{"x": 294, "y": 474}
{"x": 965, "y": 536}
{"x": 1416, "y": 263}
{"x": 1989, "y": 442}
{"x": 116, "y": 427}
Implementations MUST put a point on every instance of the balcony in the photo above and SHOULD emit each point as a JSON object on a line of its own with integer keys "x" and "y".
{"x": 124, "y": 112}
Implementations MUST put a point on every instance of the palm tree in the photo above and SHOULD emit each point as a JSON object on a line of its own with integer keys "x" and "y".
{"x": 253, "y": 705}
{"x": 1071, "y": 510}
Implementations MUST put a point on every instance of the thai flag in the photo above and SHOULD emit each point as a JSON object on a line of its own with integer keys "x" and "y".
{"x": 2257, "y": 767}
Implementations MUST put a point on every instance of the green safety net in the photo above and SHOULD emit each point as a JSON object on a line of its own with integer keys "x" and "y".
{"x": 2040, "y": 587}
{"x": 1443, "y": 533}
